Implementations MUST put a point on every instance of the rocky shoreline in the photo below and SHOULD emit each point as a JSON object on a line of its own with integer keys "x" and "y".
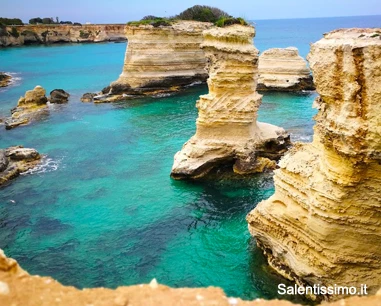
{"x": 52, "y": 34}
{"x": 16, "y": 160}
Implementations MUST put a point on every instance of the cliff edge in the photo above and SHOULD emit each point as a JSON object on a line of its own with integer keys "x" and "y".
{"x": 322, "y": 225}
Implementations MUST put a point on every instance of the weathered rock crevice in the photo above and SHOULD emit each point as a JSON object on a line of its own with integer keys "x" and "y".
{"x": 227, "y": 129}
{"x": 322, "y": 223}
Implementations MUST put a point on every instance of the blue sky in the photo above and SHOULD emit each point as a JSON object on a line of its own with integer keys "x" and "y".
{"x": 120, "y": 11}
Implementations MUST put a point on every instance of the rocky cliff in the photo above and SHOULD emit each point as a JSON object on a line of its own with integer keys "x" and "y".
{"x": 322, "y": 225}
{"x": 161, "y": 59}
{"x": 227, "y": 127}
{"x": 283, "y": 70}
{"x": 18, "y": 288}
{"x": 49, "y": 34}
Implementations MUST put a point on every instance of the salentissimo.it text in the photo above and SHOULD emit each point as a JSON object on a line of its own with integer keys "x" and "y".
{"x": 322, "y": 290}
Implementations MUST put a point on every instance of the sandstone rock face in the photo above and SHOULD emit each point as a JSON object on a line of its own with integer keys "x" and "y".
{"x": 161, "y": 59}
{"x": 28, "y": 108}
{"x": 16, "y": 160}
{"x": 227, "y": 129}
{"x": 50, "y": 34}
{"x": 5, "y": 79}
{"x": 283, "y": 70}
{"x": 322, "y": 225}
{"x": 17, "y": 287}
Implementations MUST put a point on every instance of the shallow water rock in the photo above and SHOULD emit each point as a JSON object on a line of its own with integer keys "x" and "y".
{"x": 88, "y": 97}
{"x": 58, "y": 96}
{"x": 16, "y": 160}
{"x": 28, "y": 108}
{"x": 5, "y": 79}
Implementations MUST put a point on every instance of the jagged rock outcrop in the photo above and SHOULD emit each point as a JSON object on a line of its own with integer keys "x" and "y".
{"x": 160, "y": 60}
{"x": 17, "y": 287}
{"x": 322, "y": 225}
{"x": 227, "y": 127}
{"x": 59, "y": 96}
{"x": 16, "y": 160}
{"x": 50, "y": 34}
{"x": 5, "y": 79}
{"x": 283, "y": 70}
{"x": 28, "y": 108}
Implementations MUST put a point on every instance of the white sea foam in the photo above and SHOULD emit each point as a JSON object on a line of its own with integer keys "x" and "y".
{"x": 301, "y": 138}
{"x": 16, "y": 78}
{"x": 47, "y": 164}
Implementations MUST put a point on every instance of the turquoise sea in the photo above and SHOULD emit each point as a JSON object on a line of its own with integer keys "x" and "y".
{"x": 102, "y": 210}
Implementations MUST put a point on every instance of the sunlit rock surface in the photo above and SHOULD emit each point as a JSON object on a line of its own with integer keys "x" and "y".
{"x": 322, "y": 225}
{"x": 227, "y": 127}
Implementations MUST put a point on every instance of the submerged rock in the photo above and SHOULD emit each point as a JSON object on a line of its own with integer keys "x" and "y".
{"x": 283, "y": 70}
{"x": 322, "y": 225}
{"x": 28, "y": 107}
{"x": 16, "y": 160}
{"x": 88, "y": 97}
{"x": 160, "y": 60}
{"x": 5, "y": 79}
{"x": 227, "y": 129}
{"x": 59, "y": 96}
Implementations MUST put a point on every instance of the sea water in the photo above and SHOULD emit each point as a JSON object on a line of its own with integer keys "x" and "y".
{"x": 101, "y": 209}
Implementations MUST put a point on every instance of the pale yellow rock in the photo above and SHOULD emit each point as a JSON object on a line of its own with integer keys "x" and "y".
{"x": 28, "y": 108}
{"x": 322, "y": 225}
{"x": 227, "y": 127}
{"x": 283, "y": 70}
{"x": 161, "y": 59}
{"x": 61, "y": 33}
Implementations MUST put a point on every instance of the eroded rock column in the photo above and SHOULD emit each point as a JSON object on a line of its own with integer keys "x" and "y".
{"x": 322, "y": 225}
{"x": 161, "y": 59}
{"x": 227, "y": 127}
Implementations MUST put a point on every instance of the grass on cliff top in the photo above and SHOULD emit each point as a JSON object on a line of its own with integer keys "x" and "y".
{"x": 201, "y": 13}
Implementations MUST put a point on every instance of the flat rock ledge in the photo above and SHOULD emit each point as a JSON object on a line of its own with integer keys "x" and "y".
{"x": 16, "y": 160}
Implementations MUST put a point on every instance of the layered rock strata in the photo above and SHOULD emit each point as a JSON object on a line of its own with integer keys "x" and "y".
{"x": 28, "y": 107}
{"x": 17, "y": 287}
{"x": 16, "y": 160}
{"x": 160, "y": 60}
{"x": 227, "y": 128}
{"x": 283, "y": 70}
{"x": 50, "y": 34}
{"x": 322, "y": 225}
{"x": 5, "y": 79}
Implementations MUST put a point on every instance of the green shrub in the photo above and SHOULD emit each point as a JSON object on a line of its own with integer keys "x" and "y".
{"x": 11, "y": 21}
{"x": 202, "y": 13}
{"x": 84, "y": 34}
{"x": 158, "y": 21}
{"x": 226, "y": 21}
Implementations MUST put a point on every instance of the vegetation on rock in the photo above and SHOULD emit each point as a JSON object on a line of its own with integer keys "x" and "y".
{"x": 11, "y": 21}
{"x": 201, "y": 13}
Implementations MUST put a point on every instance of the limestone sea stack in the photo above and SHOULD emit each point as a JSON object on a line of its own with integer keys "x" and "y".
{"x": 160, "y": 60}
{"x": 28, "y": 107}
{"x": 322, "y": 225}
{"x": 16, "y": 160}
{"x": 283, "y": 70}
{"x": 227, "y": 128}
